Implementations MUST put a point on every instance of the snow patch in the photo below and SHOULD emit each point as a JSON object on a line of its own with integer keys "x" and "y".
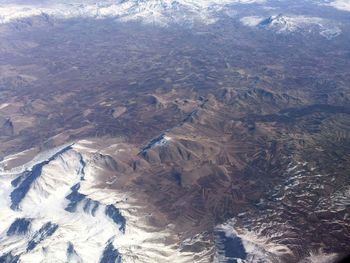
{"x": 343, "y": 5}
{"x": 158, "y": 141}
{"x": 257, "y": 247}
{"x": 251, "y": 21}
{"x": 4, "y": 105}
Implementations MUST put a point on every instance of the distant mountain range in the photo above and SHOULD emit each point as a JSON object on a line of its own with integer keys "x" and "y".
{"x": 168, "y": 12}
{"x": 284, "y": 24}
{"x": 160, "y": 12}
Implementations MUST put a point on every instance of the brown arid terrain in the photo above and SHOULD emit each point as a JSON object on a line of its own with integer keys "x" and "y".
{"x": 218, "y": 143}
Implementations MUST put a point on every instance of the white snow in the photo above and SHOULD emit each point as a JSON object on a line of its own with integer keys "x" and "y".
{"x": 46, "y": 202}
{"x": 283, "y": 24}
{"x": 27, "y": 166}
{"x": 257, "y": 246}
{"x": 165, "y": 139}
{"x": 251, "y": 20}
{"x": 4, "y": 105}
{"x": 158, "y": 12}
{"x": 340, "y": 4}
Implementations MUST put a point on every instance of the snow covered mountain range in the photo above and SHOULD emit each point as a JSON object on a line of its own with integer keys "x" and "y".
{"x": 284, "y": 24}
{"x": 58, "y": 208}
{"x": 160, "y": 12}
{"x": 61, "y": 207}
{"x": 219, "y": 183}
